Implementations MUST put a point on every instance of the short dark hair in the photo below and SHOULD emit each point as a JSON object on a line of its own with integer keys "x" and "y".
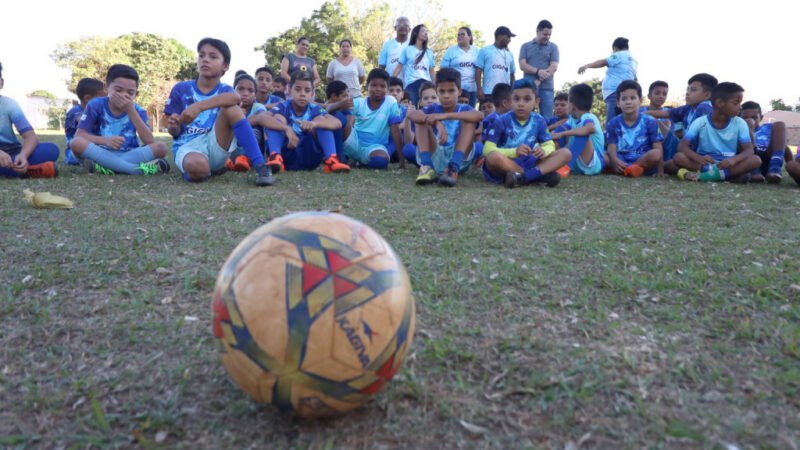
{"x": 121, "y": 71}
{"x": 301, "y": 39}
{"x": 620, "y": 43}
{"x": 751, "y": 105}
{"x": 425, "y": 86}
{"x": 486, "y": 101}
{"x": 345, "y": 40}
{"x": 655, "y": 84}
{"x": 335, "y": 87}
{"x": 725, "y": 91}
{"x": 265, "y": 69}
{"x": 280, "y": 80}
{"x": 500, "y": 92}
{"x": 561, "y": 96}
{"x": 707, "y": 81}
{"x": 394, "y": 81}
{"x": 544, "y": 23}
{"x": 239, "y": 72}
{"x": 629, "y": 84}
{"x": 448, "y": 75}
{"x": 217, "y": 44}
{"x": 525, "y": 83}
{"x": 242, "y": 75}
{"x": 582, "y": 96}
{"x": 88, "y": 86}
{"x": 301, "y": 75}
{"x": 380, "y": 74}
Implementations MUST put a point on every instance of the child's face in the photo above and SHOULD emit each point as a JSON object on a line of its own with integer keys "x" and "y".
{"x": 658, "y": 96}
{"x": 522, "y": 102}
{"x": 463, "y": 100}
{"x": 264, "y": 82}
{"x": 695, "y": 94}
{"x": 560, "y": 108}
{"x": 342, "y": 96}
{"x": 377, "y": 89}
{"x": 751, "y": 114}
{"x": 210, "y": 62}
{"x": 301, "y": 92}
{"x": 396, "y": 92}
{"x": 247, "y": 92}
{"x": 405, "y": 102}
{"x": 124, "y": 87}
{"x": 487, "y": 108}
{"x": 427, "y": 97}
{"x": 448, "y": 93}
{"x": 277, "y": 86}
{"x": 629, "y": 101}
{"x": 730, "y": 107}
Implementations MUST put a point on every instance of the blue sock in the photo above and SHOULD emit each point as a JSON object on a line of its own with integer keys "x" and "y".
{"x": 532, "y": 174}
{"x": 425, "y": 159}
{"x": 577, "y": 146}
{"x": 707, "y": 168}
{"x": 110, "y": 161}
{"x": 410, "y": 153}
{"x": 186, "y": 177}
{"x": 326, "y": 141}
{"x": 725, "y": 173}
{"x": 776, "y": 161}
{"x": 478, "y": 153}
{"x": 378, "y": 162}
{"x": 455, "y": 161}
{"x": 247, "y": 139}
{"x": 275, "y": 141}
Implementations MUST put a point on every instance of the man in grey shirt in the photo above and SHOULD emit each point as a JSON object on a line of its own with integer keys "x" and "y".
{"x": 538, "y": 60}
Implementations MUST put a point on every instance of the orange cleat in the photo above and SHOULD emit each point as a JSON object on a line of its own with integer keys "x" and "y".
{"x": 43, "y": 170}
{"x": 333, "y": 164}
{"x": 241, "y": 164}
{"x": 229, "y": 165}
{"x": 633, "y": 171}
{"x": 275, "y": 162}
{"x": 564, "y": 171}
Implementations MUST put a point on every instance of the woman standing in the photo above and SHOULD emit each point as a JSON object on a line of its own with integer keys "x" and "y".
{"x": 462, "y": 57}
{"x": 416, "y": 63}
{"x": 347, "y": 69}
{"x": 299, "y": 60}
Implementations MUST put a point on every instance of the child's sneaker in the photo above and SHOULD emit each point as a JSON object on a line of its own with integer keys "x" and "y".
{"x": 633, "y": 171}
{"x": 43, "y": 170}
{"x": 687, "y": 175}
{"x": 426, "y": 175}
{"x": 514, "y": 179}
{"x": 92, "y": 167}
{"x": 564, "y": 171}
{"x": 264, "y": 175}
{"x": 229, "y": 164}
{"x": 241, "y": 164}
{"x": 449, "y": 177}
{"x": 154, "y": 167}
{"x": 549, "y": 179}
{"x": 332, "y": 164}
{"x": 275, "y": 162}
{"x": 774, "y": 178}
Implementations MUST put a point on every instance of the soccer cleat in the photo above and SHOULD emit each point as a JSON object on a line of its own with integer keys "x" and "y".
{"x": 43, "y": 170}
{"x": 633, "y": 171}
{"x": 564, "y": 171}
{"x": 275, "y": 162}
{"x": 264, "y": 175}
{"x": 333, "y": 165}
{"x": 549, "y": 179}
{"x": 426, "y": 175}
{"x": 514, "y": 179}
{"x": 742, "y": 178}
{"x": 449, "y": 177}
{"x": 92, "y": 167}
{"x": 241, "y": 164}
{"x": 686, "y": 175}
{"x": 773, "y": 178}
{"x": 229, "y": 165}
{"x": 154, "y": 167}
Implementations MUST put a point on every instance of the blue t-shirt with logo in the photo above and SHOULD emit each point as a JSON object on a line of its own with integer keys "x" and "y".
{"x": 721, "y": 143}
{"x": 11, "y": 114}
{"x": 636, "y": 139}
{"x": 412, "y": 70}
{"x": 687, "y": 114}
{"x": 463, "y": 61}
{"x": 453, "y": 126}
{"x": 372, "y": 125}
{"x": 507, "y": 132}
{"x": 187, "y": 93}
{"x": 98, "y": 120}
{"x": 390, "y": 55}
{"x": 497, "y": 65}
{"x": 286, "y": 110}
{"x": 763, "y": 136}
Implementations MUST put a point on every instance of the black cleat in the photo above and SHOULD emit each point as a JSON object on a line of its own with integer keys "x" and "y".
{"x": 264, "y": 175}
{"x": 514, "y": 179}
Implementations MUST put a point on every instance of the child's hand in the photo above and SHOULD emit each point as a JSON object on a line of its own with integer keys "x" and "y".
{"x": 751, "y": 124}
{"x": 442, "y": 133}
{"x": 293, "y": 139}
{"x": 307, "y": 125}
{"x": 5, "y": 160}
{"x": 581, "y": 69}
{"x": 115, "y": 142}
{"x": 538, "y": 152}
{"x": 725, "y": 164}
{"x": 20, "y": 164}
{"x": 556, "y": 135}
{"x": 349, "y": 103}
{"x": 665, "y": 127}
{"x": 121, "y": 102}
{"x": 189, "y": 114}
{"x": 523, "y": 150}
{"x": 618, "y": 164}
{"x": 431, "y": 119}
{"x": 707, "y": 159}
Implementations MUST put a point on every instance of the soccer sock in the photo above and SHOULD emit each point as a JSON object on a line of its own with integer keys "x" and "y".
{"x": 776, "y": 161}
{"x": 275, "y": 141}
{"x": 410, "y": 153}
{"x": 186, "y": 177}
{"x": 326, "y": 141}
{"x": 425, "y": 158}
{"x": 577, "y": 146}
{"x": 455, "y": 161}
{"x": 532, "y": 174}
{"x": 245, "y": 137}
{"x": 710, "y": 172}
{"x": 110, "y": 161}
{"x": 724, "y": 174}
{"x": 378, "y": 162}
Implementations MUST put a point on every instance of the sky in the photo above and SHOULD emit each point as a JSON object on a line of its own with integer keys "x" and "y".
{"x": 755, "y": 47}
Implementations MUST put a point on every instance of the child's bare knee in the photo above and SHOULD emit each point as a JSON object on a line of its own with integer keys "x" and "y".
{"x": 196, "y": 167}
{"x": 159, "y": 149}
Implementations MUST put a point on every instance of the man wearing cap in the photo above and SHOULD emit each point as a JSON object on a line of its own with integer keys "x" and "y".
{"x": 393, "y": 48}
{"x": 538, "y": 60}
{"x": 495, "y": 63}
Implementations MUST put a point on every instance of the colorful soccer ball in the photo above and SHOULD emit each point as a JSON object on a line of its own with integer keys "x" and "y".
{"x": 313, "y": 314}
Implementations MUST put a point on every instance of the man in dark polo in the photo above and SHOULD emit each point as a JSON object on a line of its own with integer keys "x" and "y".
{"x": 538, "y": 60}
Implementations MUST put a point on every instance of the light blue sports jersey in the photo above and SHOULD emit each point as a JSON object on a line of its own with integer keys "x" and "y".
{"x": 636, "y": 139}
{"x": 507, "y": 132}
{"x": 11, "y": 114}
{"x": 187, "y": 93}
{"x": 463, "y": 61}
{"x": 390, "y": 55}
{"x": 286, "y": 110}
{"x": 598, "y": 140}
{"x": 452, "y": 126}
{"x": 98, "y": 120}
{"x": 372, "y": 125}
{"x": 720, "y": 143}
{"x": 763, "y": 136}
{"x": 413, "y": 71}
{"x": 497, "y": 66}
{"x": 621, "y": 67}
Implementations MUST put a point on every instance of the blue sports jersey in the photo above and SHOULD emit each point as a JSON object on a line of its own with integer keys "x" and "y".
{"x": 98, "y": 120}
{"x": 187, "y": 93}
{"x": 71, "y": 122}
{"x": 621, "y": 67}
{"x": 453, "y": 126}
{"x": 507, "y": 132}
{"x": 272, "y": 99}
{"x": 687, "y": 114}
{"x": 11, "y": 114}
{"x": 636, "y": 139}
{"x": 286, "y": 110}
{"x": 487, "y": 123}
{"x": 763, "y": 136}
{"x": 463, "y": 61}
{"x": 598, "y": 140}
{"x": 372, "y": 125}
{"x": 643, "y": 109}
{"x": 720, "y": 143}
{"x": 390, "y": 55}
{"x": 413, "y": 71}
{"x": 497, "y": 66}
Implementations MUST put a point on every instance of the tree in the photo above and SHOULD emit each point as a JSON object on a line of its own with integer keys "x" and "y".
{"x": 777, "y": 104}
{"x": 56, "y": 111}
{"x": 599, "y": 104}
{"x": 42, "y": 93}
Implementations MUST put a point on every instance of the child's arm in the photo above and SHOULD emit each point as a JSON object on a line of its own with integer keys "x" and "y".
{"x": 557, "y": 124}
{"x": 685, "y": 147}
{"x": 616, "y": 163}
{"x": 416, "y": 115}
{"x": 398, "y": 68}
{"x": 218, "y": 101}
{"x": 658, "y": 114}
{"x": 278, "y": 123}
{"x": 337, "y": 106}
{"x": 112, "y": 142}
{"x": 323, "y": 122}
{"x": 408, "y": 133}
{"x": 394, "y": 130}
{"x": 747, "y": 151}
{"x": 472, "y": 116}
{"x": 585, "y": 130}
{"x": 595, "y": 65}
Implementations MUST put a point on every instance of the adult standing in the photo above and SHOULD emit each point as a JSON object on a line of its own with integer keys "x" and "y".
{"x": 495, "y": 63}
{"x": 462, "y": 57}
{"x": 538, "y": 60}
{"x": 347, "y": 69}
{"x": 299, "y": 60}
{"x": 417, "y": 63}
{"x": 391, "y": 50}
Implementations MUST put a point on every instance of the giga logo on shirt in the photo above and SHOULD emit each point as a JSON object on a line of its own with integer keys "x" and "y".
{"x": 466, "y": 64}
{"x": 197, "y": 130}
{"x": 500, "y": 66}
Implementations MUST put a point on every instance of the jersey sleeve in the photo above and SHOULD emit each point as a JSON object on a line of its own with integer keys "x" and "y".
{"x": 174, "y": 102}
{"x": 447, "y": 59}
{"x": 676, "y": 114}
{"x": 18, "y": 118}
{"x": 481, "y": 61}
{"x": 542, "y": 135}
{"x": 395, "y": 116}
{"x": 693, "y": 131}
{"x": 612, "y": 61}
{"x": 612, "y": 131}
{"x": 743, "y": 131}
{"x": 90, "y": 117}
{"x": 431, "y": 59}
{"x": 280, "y": 109}
{"x": 383, "y": 58}
{"x": 403, "y": 58}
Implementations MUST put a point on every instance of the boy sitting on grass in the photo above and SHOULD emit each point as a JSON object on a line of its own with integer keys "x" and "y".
{"x": 87, "y": 89}
{"x": 586, "y": 141}
{"x": 769, "y": 144}
{"x": 634, "y": 143}
{"x": 340, "y": 106}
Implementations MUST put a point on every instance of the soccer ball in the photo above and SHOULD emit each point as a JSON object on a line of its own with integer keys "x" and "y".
{"x": 313, "y": 314}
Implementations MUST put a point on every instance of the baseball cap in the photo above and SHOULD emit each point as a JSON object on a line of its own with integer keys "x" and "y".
{"x": 503, "y": 30}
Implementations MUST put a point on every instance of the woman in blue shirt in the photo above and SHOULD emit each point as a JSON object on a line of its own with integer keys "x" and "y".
{"x": 462, "y": 57}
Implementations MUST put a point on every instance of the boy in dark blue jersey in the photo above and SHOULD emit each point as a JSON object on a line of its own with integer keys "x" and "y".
{"x": 769, "y": 143}
{"x": 206, "y": 122}
{"x": 264, "y": 76}
{"x": 340, "y": 106}
{"x": 634, "y": 143}
{"x": 447, "y": 153}
{"x": 279, "y": 87}
{"x": 657, "y": 95}
{"x": 110, "y": 130}
{"x": 87, "y": 89}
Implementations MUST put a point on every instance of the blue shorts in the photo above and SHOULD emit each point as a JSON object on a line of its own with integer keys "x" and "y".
{"x": 630, "y": 157}
{"x": 717, "y": 156}
{"x": 442, "y": 155}
{"x": 593, "y": 168}
{"x": 526, "y": 162}
{"x": 207, "y": 145}
{"x": 354, "y": 149}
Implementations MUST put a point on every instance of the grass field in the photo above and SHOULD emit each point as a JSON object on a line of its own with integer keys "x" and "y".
{"x": 604, "y": 313}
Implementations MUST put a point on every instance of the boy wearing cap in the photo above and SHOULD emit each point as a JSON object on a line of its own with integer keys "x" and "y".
{"x": 495, "y": 63}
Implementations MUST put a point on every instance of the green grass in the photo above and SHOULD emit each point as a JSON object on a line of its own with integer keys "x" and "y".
{"x": 609, "y": 312}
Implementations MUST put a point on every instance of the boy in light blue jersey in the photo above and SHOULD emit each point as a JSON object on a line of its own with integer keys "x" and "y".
{"x": 391, "y": 50}
{"x": 495, "y": 63}
{"x": 206, "y": 122}
{"x": 106, "y": 140}
{"x": 87, "y": 89}
{"x": 769, "y": 142}
{"x": 462, "y": 57}
{"x": 376, "y": 118}
{"x": 634, "y": 143}
{"x": 621, "y": 66}
{"x": 586, "y": 141}
{"x": 518, "y": 149}
{"x": 716, "y": 138}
